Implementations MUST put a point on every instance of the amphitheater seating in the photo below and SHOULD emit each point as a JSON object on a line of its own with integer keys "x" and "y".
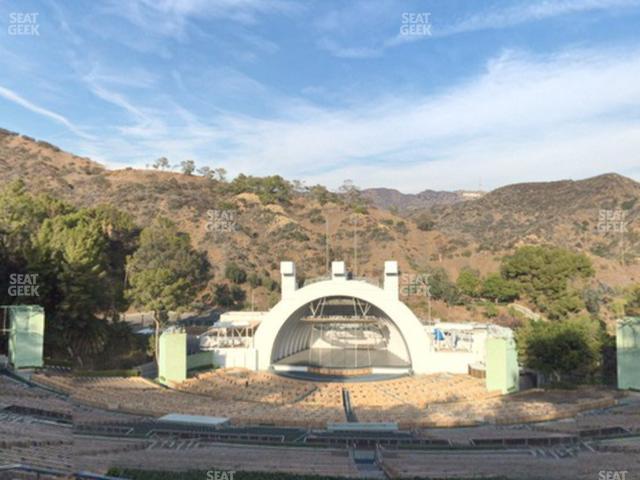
{"x": 206, "y": 457}
{"x": 83, "y": 415}
{"x": 624, "y": 416}
{"x": 28, "y": 439}
{"x": 420, "y": 391}
{"x": 413, "y": 402}
{"x": 516, "y": 466}
{"x": 84, "y": 446}
{"x": 327, "y": 394}
{"x": 451, "y": 465}
{"x": 417, "y": 391}
{"x": 236, "y": 384}
{"x": 141, "y": 397}
{"x": 38, "y": 444}
{"x": 55, "y": 456}
{"x": 16, "y": 433}
{"x": 15, "y": 393}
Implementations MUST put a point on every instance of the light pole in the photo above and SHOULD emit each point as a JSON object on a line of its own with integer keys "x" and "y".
{"x": 354, "y": 219}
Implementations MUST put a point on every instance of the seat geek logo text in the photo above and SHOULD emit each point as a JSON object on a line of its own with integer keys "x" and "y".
{"x": 24, "y": 24}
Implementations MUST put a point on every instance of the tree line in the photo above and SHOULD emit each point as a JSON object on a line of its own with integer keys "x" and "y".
{"x": 92, "y": 264}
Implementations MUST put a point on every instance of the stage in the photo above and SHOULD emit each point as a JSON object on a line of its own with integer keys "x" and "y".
{"x": 343, "y": 362}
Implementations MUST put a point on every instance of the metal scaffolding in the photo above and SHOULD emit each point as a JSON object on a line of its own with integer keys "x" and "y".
{"x": 354, "y": 334}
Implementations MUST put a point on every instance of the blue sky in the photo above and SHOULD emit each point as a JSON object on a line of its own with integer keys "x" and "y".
{"x": 480, "y": 92}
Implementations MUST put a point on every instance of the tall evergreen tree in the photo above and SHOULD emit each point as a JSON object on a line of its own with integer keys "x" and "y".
{"x": 165, "y": 273}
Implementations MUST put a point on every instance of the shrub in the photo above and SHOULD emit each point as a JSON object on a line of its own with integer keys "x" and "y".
{"x": 254, "y": 280}
{"x": 272, "y": 189}
{"x": 545, "y": 269}
{"x": 496, "y": 288}
{"x": 490, "y": 310}
{"x": 425, "y": 223}
{"x": 632, "y": 307}
{"x": 562, "y": 350}
{"x": 401, "y": 228}
{"x": 321, "y": 195}
{"x": 315, "y": 216}
{"x": 291, "y": 231}
{"x": 379, "y": 235}
{"x": 628, "y": 204}
{"x": 361, "y": 209}
{"x": 441, "y": 287}
{"x": 238, "y": 294}
{"x": 234, "y": 273}
{"x": 544, "y": 274}
{"x": 222, "y": 295}
{"x": 469, "y": 282}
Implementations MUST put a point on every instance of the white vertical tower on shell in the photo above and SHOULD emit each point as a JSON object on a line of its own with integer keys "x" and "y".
{"x": 392, "y": 279}
{"x": 288, "y": 279}
{"x": 338, "y": 271}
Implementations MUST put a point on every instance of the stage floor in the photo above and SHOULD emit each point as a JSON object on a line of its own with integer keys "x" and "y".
{"x": 314, "y": 377}
{"x": 344, "y": 359}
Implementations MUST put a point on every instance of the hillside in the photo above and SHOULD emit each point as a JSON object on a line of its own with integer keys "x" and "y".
{"x": 257, "y": 234}
{"x": 391, "y": 199}
{"x": 567, "y": 213}
{"x": 43, "y": 166}
{"x": 260, "y": 235}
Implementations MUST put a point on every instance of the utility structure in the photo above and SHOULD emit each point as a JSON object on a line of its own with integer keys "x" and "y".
{"x": 22, "y": 335}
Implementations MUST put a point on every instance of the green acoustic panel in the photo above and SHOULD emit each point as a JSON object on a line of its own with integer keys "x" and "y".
{"x": 200, "y": 359}
{"x": 172, "y": 360}
{"x": 503, "y": 373}
{"x": 26, "y": 336}
{"x": 628, "y": 353}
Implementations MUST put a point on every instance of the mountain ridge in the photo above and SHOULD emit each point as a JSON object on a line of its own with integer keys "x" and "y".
{"x": 473, "y": 233}
{"x": 391, "y": 198}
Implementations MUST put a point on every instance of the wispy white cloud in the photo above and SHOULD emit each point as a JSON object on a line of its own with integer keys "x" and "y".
{"x": 159, "y": 26}
{"x": 524, "y": 118}
{"x": 172, "y": 17}
{"x": 491, "y": 19}
{"x": 241, "y": 10}
{"x": 530, "y": 12}
{"x": 358, "y": 19}
{"x": 340, "y": 51}
{"x": 63, "y": 23}
{"x": 133, "y": 77}
{"x": 497, "y": 124}
{"x": 14, "y": 97}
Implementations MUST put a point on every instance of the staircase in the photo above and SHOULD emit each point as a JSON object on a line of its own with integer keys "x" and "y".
{"x": 348, "y": 410}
